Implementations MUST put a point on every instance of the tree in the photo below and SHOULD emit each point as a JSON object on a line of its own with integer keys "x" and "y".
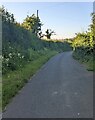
{"x": 32, "y": 23}
{"x": 49, "y": 32}
{"x": 6, "y": 16}
{"x": 93, "y": 23}
{"x": 12, "y": 18}
{"x": 2, "y": 12}
{"x": 41, "y": 34}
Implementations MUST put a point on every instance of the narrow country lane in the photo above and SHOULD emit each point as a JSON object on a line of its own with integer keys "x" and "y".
{"x": 62, "y": 88}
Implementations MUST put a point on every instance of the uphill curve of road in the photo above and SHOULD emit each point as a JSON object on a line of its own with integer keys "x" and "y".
{"x": 62, "y": 88}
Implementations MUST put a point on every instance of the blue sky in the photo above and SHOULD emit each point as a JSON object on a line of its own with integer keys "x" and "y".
{"x": 65, "y": 18}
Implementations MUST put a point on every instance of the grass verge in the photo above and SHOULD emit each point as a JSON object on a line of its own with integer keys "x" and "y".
{"x": 14, "y": 81}
{"x": 88, "y": 61}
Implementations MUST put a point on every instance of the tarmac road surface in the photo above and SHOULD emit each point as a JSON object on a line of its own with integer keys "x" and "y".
{"x": 62, "y": 88}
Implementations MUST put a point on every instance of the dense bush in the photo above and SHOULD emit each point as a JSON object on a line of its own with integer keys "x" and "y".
{"x": 84, "y": 44}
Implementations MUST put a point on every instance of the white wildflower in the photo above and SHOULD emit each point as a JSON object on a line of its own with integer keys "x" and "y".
{"x": 7, "y": 59}
{"x": 10, "y": 55}
{"x": 18, "y": 54}
{"x": 22, "y": 56}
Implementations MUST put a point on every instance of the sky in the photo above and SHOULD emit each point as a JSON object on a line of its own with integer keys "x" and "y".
{"x": 65, "y": 18}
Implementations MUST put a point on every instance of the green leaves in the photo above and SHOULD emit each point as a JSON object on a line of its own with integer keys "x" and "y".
{"x": 6, "y": 16}
{"x": 32, "y": 23}
{"x": 86, "y": 39}
{"x": 49, "y": 32}
{"x": 84, "y": 44}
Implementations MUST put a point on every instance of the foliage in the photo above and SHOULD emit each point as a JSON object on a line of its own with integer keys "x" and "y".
{"x": 84, "y": 43}
{"x": 32, "y": 23}
{"x": 93, "y": 24}
{"x": 6, "y": 16}
{"x": 49, "y": 32}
